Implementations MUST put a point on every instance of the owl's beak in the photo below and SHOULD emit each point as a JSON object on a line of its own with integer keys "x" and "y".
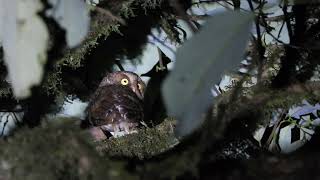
{"x": 139, "y": 93}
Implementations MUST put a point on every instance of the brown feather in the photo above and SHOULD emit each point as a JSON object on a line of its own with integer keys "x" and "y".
{"x": 116, "y": 107}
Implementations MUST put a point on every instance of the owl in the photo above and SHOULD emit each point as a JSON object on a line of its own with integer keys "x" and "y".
{"x": 117, "y": 105}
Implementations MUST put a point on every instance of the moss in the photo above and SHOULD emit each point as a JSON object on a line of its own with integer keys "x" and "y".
{"x": 57, "y": 150}
{"x": 174, "y": 165}
{"x": 53, "y": 82}
{"x": 170, "y": 25}
{"x": 126, "y": 8}
{"x": 144, "y": 144}
{"x": 149, "y": 4}
{"x": 102, "y": 26}
{"x": 284, "y": 100}
{"x": 5, "y": 91}
{"x": 74, "y": 58}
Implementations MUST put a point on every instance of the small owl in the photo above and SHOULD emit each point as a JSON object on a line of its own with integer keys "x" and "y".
{"x": 117, "y": 104}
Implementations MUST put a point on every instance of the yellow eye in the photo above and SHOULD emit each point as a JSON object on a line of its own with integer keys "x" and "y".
{"x": 124, "y": 81}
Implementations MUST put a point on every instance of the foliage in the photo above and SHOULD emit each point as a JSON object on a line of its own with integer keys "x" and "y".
{"x": 69, "y": 155}
{"x": 142, "y": 145}
{"x": 278, "y": 75}
{"x": 215, "y": 58}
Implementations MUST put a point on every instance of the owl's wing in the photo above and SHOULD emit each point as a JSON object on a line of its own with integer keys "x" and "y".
{"x": 115, "y": 105}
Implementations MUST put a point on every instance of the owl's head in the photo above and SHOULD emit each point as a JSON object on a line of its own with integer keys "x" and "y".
{"x": 125, "y": 78}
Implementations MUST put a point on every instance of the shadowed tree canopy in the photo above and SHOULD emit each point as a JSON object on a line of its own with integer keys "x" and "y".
{"x": 281, "y": 70}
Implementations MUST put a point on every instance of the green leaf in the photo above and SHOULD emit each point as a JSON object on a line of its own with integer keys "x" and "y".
{"x": 24, "y": 36}
{"x": 201, "y": 62}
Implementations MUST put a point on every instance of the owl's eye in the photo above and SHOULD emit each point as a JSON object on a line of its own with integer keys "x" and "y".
{"x": 124, "y": 81}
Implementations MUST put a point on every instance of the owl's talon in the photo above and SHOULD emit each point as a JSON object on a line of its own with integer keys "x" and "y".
{"x": 144, "y": 124}
{"x": 97, "y": 134}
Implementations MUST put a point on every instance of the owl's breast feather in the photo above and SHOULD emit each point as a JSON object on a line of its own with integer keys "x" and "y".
{"x": 116, "y": 108}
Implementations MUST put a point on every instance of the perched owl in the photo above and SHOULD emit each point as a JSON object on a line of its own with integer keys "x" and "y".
{"x": 117, "y": 104}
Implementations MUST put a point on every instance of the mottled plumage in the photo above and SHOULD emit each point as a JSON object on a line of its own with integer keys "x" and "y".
{"x": 117, "y": 104}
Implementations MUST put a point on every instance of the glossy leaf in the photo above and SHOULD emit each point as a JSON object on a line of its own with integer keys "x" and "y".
{"x": 24, "y": 37}
{"x": 200, "y": 63}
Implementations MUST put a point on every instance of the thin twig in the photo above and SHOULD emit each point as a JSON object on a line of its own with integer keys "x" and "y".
{"x": 261, "y": 49}
{"x": 280, "y": 30}
{"x": 110, "y": 15}
{"x": 119, "y": 65}
{"x": 275, "y": 18}
{"x": 162, "y": 43}
{"x": 287, "y": 20}
{"x": 160, "y": 60}
{"x": 293, "y": 46}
